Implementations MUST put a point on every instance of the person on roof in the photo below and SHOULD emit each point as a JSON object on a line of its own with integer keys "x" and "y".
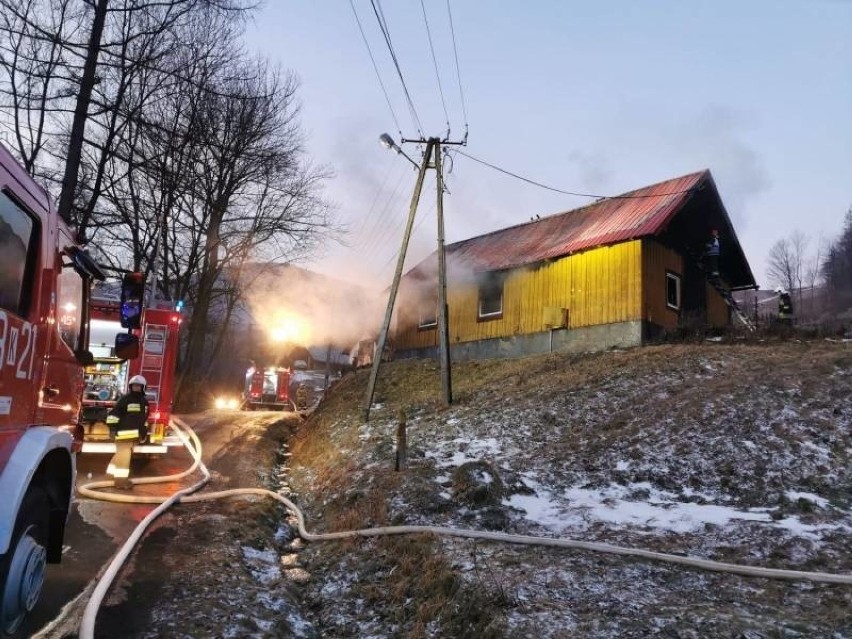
{"x": 785, "y": 307}
{"x": 128, "y": 423}
{"x": 711, "y": 253}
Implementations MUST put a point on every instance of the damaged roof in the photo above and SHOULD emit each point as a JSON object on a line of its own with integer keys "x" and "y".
{"x": 644, "y": 212}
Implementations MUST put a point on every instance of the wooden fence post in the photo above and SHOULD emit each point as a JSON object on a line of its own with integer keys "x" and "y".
{"x": 401, "y": 442}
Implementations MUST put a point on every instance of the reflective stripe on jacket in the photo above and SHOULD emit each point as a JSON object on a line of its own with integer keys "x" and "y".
{"x": 130, "y": 414}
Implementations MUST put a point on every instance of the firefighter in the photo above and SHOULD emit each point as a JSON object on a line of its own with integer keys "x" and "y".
{"x": 712, "y": 251}
{"x": 128, "y": 424}
{"x": 785, "y": 307}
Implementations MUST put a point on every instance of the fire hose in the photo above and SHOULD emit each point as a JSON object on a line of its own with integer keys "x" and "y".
{"x": 193, "y": 445}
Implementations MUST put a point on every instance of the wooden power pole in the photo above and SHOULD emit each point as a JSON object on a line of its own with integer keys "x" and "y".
{"x": 443, "y": 320}
{"x": 433, "y": 149}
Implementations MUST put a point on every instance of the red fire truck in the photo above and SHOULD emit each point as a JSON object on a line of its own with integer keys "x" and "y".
{"x": 45, "y": 280}
{"x": 106, "y": 378}
{"x": 267, "y": 389}
{"x": 276, "y": 388}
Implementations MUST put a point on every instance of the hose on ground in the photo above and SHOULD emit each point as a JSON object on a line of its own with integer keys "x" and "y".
{"x": 193, "y": 445}
{"x": 186, "y": 495}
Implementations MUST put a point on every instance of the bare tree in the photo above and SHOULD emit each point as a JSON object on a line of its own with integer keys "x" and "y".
{"x": 782, "y": 266}
{"x": 70, "y": 65}
{"x": 189, "y": 160}
{"x": 251, "y": 187}
{"x": 208, "y": 177}
{"x": 40, "y": 69}
{"x": 837, "y": 268}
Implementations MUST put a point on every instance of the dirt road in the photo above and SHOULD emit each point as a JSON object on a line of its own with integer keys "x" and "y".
{"x": 97, "y": 529}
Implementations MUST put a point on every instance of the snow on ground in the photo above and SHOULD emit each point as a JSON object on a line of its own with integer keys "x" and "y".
{"x": 735, "y": 454}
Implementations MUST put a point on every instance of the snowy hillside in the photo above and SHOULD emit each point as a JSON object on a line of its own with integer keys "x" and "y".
{"x": 738, "y": 453}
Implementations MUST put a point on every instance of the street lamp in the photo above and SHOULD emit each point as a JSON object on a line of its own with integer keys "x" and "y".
{"x": 387, "y": 141}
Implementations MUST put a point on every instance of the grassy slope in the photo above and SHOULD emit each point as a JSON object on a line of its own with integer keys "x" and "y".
{"x": 742, "y": 426}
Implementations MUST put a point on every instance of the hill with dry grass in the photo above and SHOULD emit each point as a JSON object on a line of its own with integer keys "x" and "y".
{"x": 733, "y": 452}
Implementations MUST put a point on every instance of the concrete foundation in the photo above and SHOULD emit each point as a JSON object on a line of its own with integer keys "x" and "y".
{"x": 561, "y": 340}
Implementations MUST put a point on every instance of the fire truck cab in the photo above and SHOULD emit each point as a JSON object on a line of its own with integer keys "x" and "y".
{"x": 106, "y": 377}
{"x": 45, "y": 279}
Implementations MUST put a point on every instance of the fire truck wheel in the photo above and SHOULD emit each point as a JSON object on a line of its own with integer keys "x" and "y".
{"x": 23, "y": 567}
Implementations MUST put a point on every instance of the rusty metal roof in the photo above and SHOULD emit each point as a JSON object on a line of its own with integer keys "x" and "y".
{"x": 635, "y": 214}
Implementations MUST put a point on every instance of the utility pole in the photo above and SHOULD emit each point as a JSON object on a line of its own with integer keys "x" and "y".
{"x": 400, "y": 262}
{"x": 443, "y": 320}
{"x": 433, "y": 146}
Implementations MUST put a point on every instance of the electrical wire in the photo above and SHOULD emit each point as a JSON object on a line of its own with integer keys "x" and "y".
{"x": 551, "y": 188}
{"x": 389, "y": 232}
{"x": 362, "y": 222}
{"x": 393, "y": 230}
{"x": 435, "y": 63}
{"x": 416, "y": 226}
{"x": 383, "y": 26}
{"x": 375, "y": 67}
{"x": 458, "y": 71}
{"x": 378, "y": 232}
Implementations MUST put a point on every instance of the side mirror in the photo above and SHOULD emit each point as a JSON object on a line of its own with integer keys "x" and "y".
{"x": 84, "y": 264}
{"x": 84, "y": 357}
{"x": 132, "y": 294}
{"x": 126, "y": 346}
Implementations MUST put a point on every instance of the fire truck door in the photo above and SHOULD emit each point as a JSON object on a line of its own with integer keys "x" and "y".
{"x": 63, "y": 376}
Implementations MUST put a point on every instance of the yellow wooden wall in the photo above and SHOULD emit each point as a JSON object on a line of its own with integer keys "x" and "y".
{"x": 599, "y": 286}
{"x": 656, "y": 260}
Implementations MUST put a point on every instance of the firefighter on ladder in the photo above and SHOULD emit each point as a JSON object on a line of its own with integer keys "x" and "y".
{"x": 128, "y": 425}
{"x": 711, "y": 254}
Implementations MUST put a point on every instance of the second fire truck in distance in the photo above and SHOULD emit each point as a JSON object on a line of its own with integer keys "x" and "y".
{"x": 106, "y": 377}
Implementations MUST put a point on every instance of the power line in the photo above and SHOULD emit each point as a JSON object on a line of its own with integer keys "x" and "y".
{"x": 380, "y": 226}
{"x": 435, "y": 63}
{"x": 380, "y": 18}
{"x": 550, "y": 188}
{"x": 375, "y": 66}
{"x": 380, "y": 221}
{"x": 458, "y": 72}
{"x": 422, "y": 219}
{"x": 363, "y": 221}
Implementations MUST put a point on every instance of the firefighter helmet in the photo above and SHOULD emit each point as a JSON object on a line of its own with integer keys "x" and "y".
{"x": 138, "y": 379}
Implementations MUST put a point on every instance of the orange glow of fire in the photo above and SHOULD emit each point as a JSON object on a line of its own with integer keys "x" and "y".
{"x": 287, "y": 328}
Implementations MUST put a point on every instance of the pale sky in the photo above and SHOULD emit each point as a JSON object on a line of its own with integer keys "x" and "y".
{"x": 599, "y": 96}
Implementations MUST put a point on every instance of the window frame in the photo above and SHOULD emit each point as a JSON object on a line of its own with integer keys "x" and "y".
{"x": 66, "y": 270}
{"x": 677, "y": 278}
{"x": 490, "y": 283}
{"x": 25, "y": 296}
{"x": 431, "y": 322}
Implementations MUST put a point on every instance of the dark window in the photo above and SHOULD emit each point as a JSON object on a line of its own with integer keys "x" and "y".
{"x": 673, "y": 291}
{"x": 491, "y": 296}
{"x": 17, "y": 253}
{"x": 428, "y": 317}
